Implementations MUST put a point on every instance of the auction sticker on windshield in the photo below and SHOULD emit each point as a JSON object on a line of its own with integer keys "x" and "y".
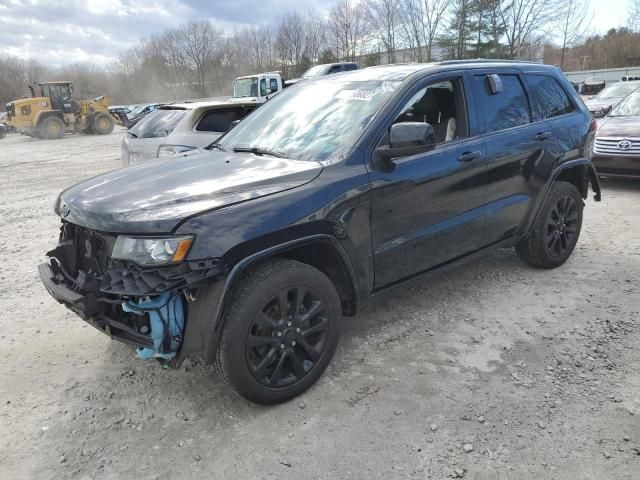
{"x": 365, "y": 95}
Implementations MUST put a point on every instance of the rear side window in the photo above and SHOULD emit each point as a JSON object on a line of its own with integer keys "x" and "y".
{"x": 274, "y": 85}
{"x": 158, "y": 124}
{"x": 549, "y": 98}
{"x": 220, "y": 120}
{"x": 506, "y": 109}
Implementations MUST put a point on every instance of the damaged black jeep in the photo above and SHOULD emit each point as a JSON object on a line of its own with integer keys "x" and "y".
{"x": 249, "y": 253}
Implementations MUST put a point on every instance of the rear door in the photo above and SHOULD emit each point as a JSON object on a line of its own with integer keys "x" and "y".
{"x": 516, "y": 145}
{"x": 429, "y": 209}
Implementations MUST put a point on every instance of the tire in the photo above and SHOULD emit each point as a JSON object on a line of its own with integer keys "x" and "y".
{"x": 287, "y": 355}
{"x": 556, "y": 230}
{"x": 51, "y": 128}
{"x": 102, "y": 123}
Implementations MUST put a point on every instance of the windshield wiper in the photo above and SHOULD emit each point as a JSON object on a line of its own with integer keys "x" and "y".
{"x": 132, "y": 134}
{"x": 259, "y": 151}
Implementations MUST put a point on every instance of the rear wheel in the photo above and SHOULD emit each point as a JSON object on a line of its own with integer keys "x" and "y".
{"x": 556, "y": 230}
{"x": 280, "y": 333}
{"x": 102, "y": 124}
{"x": 51, "y": 128}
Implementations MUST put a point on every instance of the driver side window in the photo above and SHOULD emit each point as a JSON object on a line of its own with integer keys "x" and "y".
{"x": 442, "y": 106}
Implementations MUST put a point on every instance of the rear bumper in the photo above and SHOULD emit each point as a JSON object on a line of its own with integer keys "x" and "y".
{"x": 617, "y": 165}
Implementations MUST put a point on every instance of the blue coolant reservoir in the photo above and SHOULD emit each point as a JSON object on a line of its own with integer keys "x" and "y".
{"x": 166, "y": 318}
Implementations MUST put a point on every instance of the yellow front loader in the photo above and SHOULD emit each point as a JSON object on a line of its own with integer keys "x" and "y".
{"x": 55, "y": 112}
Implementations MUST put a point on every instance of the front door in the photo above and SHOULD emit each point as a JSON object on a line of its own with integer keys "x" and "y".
{"x": 429, "y": 209}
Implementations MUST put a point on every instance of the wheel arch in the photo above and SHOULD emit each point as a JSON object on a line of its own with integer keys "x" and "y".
{"x": 321, "y": 251}
{"x": 579, "y": 172}
{"x": 49, "y": 113}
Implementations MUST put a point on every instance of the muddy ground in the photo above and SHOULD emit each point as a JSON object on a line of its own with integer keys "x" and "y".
{"x": 495, "y": 370}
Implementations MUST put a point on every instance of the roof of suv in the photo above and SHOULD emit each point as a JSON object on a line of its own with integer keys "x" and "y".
{"x": 399, "y": 72}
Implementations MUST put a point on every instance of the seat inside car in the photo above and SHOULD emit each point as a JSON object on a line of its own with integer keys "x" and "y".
{"x": 438, "y": 108}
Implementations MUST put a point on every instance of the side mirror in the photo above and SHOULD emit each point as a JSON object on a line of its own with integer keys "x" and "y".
{"x": 602, "y": 112}
{"x": 405, "y": 139}
{"x": 233, "y": 124}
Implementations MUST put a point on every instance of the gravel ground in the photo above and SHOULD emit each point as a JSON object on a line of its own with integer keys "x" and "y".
{"x": 492, "y": 371}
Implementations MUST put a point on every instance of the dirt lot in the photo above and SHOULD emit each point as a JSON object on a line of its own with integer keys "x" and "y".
{"x": 494, "y": 371}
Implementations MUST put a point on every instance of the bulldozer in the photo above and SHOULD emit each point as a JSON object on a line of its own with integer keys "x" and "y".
{"x": 55, "y": 112}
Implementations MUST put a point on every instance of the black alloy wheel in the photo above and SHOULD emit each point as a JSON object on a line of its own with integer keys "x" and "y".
{"x": 555, "y": 232}
{"x": 287, "y": 337}
{"x": 562, "y": 227}
{"x": 280, "y": 331}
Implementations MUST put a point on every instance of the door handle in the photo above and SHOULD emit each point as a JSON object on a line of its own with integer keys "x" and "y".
{"x": 542, "y": 136}
{"x": 469, "y": 156}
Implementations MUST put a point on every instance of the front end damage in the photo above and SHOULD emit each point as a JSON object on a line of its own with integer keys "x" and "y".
{"x": 157, "y": 309}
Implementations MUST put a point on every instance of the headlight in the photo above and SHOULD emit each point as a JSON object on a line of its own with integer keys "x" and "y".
{"x": 152, "y": 251}
{"x": 172, "y": 150}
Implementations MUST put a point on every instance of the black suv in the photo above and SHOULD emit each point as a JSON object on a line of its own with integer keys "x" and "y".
{"x": 249, "y": 255}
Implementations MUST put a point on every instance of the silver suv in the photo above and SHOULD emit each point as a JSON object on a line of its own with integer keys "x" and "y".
{"x": 177, "y": 128}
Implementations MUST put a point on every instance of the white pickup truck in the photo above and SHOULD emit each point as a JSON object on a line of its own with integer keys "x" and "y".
{"x": 257, "y": 88}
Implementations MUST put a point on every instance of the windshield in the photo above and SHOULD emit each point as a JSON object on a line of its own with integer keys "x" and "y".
{"x": 158, "y": 124}
{"x": 629, "y": 107}
{"x": 313, "y": 71}
{"x": 618, "y": 90}
{"x": 312, "y": 122}
{"x": 245, "y": 87}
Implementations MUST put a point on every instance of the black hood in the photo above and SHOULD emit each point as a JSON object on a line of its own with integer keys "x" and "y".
{"x": 154, "y": 197}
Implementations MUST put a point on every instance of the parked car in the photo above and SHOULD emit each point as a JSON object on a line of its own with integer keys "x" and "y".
{"x": 3, "y": 130}
{"x": 602, "y": 103}
{"x": 617, "y": 146}
{"x": 249, "y": 255}
{"x": 324, "y": 69}
{"x": 592, "y": 85}
{"x": 137, "y": 114}
{"x": 178, "y": 128}
{"x": 119, "y": 113}
{"x": 3, "y": 121}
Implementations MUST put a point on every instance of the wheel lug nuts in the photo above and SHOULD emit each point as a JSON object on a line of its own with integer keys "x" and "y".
{"x": 293, "y": 344}
{"x": 279, "y": 334}
{"x": 282, "y": 346}
{"x": 289, "y": 324}
{"x": 297, "y": 330}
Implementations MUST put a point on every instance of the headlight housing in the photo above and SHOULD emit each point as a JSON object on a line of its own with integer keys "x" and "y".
{"x": 147, "y": 251}
{"x": 173, "y": 150}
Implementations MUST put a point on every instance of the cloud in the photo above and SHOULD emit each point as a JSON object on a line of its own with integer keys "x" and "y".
{"x": 58, "y": 32}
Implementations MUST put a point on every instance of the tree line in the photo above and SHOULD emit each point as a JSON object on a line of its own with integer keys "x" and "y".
{"x": 199, "y": 59}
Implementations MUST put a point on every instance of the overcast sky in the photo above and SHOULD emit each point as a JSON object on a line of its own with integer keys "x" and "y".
{"x": 67, "y": 31}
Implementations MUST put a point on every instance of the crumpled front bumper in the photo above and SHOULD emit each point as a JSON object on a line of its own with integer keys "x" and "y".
{"x": 98, "y": 299}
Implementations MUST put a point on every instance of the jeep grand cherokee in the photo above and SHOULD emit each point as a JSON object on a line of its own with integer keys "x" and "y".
{"x": 249, "y": 255}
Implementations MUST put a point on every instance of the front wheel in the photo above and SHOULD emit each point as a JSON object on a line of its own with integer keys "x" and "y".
{"x": 280, "y": 332}
{"x": 102, "y": 123}
{"x": 556, "y": 230}
{"x": 51, "y": 128}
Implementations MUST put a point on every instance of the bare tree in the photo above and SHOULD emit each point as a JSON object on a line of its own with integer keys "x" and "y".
{"x": 634, "y": 16}
{"x": 316, "y": 41}
{"x": 290, "y": 42}
{"x": 574, "y": 20}
{"x": 345, "y": 25}
{"x": 435, "y": 12}
{"x": 382, "y": 19}
{"x": 523, "y": 18}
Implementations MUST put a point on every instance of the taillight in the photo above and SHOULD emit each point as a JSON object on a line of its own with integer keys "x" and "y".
{"x": 593, "y": 126}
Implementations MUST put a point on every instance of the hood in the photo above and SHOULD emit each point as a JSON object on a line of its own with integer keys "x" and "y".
{"x": 619, "y": 127}
{"x": 596, "y": 104}
{"x": 154, "y": 197}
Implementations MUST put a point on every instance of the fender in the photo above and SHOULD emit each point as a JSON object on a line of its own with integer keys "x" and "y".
{"x": 542, "y": 198}
{"x": 225, "y": 287}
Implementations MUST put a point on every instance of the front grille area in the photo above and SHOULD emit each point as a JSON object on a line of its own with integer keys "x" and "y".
{"x": 91, "y": 248}
{"x": 629, "y": 147}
